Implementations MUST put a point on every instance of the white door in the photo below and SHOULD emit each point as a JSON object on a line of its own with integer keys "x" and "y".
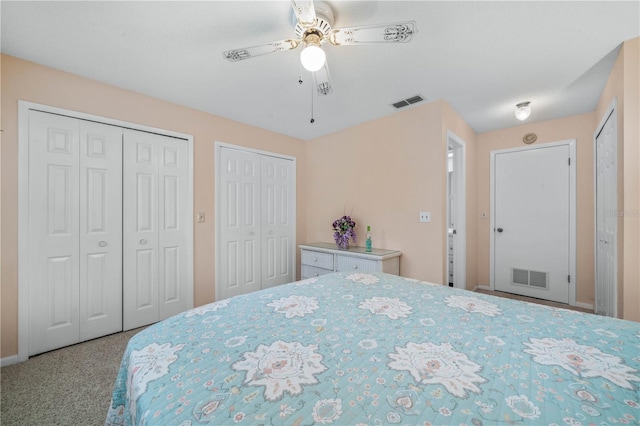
{"x": 532, "y": 220}
{"x": 239, "y": 210}
{"x": 100, "y": 229}
{"x": 606, "y": 217}
{"x": 278, "y": 220}
{"x": 75, "y": 231}
{"x": 53, "y": 232}
{"x": 174, "y": 286}
{"x": 156, "y": 228}
{"x": 140, "y": 229}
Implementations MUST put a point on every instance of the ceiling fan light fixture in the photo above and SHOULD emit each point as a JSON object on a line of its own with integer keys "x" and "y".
{"x": 523, "y": 110}
{"x": 312, "y": 57}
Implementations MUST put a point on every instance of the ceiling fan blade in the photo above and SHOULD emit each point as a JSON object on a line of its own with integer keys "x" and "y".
{"x": 262, "y": 49}
{"x": 305, "y": 12}
{"x": 323, "y": 81}
{"x": 396, "y": 32}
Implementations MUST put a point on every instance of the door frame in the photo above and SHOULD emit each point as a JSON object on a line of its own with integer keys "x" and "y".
{"x": 217, "y": 156}
{"x": 611, "y": 112}
{"x": 571, "y": 143}
{"x": 459, "y": 249}
{"x": 23, "y": 203}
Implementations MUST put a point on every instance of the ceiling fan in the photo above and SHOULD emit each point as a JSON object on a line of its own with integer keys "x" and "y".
{"x": 313, "y": 28}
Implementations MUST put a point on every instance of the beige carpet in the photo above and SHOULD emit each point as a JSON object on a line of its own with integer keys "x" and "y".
{"x": 68, "y": 386}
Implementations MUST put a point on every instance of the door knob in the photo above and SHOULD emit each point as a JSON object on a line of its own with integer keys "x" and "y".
{"x": 102, "y": 243}
{"x": 143, "y": 241}
{"x": 500, "y": 229}
{"x": 252, "y": 233}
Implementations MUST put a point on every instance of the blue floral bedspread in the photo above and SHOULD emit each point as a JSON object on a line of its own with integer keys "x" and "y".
{"x": 371, "y": 349}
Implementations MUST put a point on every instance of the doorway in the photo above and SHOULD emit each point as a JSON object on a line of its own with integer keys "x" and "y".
{"x": 533, "y": 221}
{"x": 456, "y": 212}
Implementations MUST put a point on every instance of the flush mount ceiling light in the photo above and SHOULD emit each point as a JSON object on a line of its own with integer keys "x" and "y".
{"x": 523, "y": 110}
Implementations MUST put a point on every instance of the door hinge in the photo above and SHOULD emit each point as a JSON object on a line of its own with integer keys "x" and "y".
{"x": 569, "y": 278}
{"x": 569, "y": 160}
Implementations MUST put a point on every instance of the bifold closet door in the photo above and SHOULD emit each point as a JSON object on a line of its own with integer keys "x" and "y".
{"x": 278, "y": 211}
{"x": 155, "y": 216}
{"x": 239, "y": 222}
{"x": 100, "y": 229}
{"x": 74, "y": 231}
{"x": 257, "y": 221}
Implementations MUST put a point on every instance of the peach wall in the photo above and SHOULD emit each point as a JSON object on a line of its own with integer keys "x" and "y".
{"x": 579, "y": 127}
{"x": 631, "y": 131}
{"x": 453, "y": 122}
{"x": 623, "y": 84}
{"x": 22, "y": 80}
{"x": 384, "y": 173}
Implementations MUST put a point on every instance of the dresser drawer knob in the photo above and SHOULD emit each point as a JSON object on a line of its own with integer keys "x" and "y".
{"x": 315, "y": 259}
{"x": 316, "y": 274}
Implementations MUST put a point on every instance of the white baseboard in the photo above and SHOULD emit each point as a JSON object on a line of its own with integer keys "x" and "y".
{"x": 481, "y": 287}
{"x": 9, "y": 360}
{"x": 584, "y": 305}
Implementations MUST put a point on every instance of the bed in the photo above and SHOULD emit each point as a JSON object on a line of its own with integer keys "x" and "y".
{"x": 371, "y": 349}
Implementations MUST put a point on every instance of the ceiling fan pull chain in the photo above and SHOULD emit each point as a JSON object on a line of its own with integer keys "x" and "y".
{"x": 312, "y": 119}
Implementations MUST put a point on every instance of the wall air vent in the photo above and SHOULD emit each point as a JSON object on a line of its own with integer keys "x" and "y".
{"x": 406, "y": 102}
{"x": 530, "y": 278}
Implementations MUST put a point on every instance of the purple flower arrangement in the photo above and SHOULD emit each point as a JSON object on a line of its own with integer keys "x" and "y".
{"x": 343, "y": 230}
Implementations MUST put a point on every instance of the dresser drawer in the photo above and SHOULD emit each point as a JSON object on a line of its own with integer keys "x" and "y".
{"x": 318, "y": 259}
{"x": 346, "y": 263}
{"x": 312, "y": 271}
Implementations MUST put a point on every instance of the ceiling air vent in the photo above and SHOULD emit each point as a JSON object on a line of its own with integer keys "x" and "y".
{"x": 408, "y": 101}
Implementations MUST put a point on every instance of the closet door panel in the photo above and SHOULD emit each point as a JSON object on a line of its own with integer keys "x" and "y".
{"x": 140, "y": 229}
{"x": 239, "y": 222}
{"x": 53, "y": 232}
{"x": 278, "y": 220}
{"x": 100, "y": 230}
{"x": 174, "y": 286}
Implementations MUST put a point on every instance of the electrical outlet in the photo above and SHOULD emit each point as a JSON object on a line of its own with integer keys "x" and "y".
{"x": 425, "y": 216}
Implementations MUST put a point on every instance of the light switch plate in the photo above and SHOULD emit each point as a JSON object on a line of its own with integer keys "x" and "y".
{"x": 200, "y": 217}
{"x": 425, "y": 216}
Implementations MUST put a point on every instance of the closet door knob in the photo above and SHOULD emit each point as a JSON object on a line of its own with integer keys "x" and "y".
{"x": 102, "y": 243}
{"x": 143, "y": 241}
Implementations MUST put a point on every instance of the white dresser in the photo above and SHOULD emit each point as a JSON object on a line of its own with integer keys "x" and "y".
{"x": 323, "y": 258}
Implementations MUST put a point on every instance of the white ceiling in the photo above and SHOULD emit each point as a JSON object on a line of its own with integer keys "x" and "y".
{"x": 481, "y": 57}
